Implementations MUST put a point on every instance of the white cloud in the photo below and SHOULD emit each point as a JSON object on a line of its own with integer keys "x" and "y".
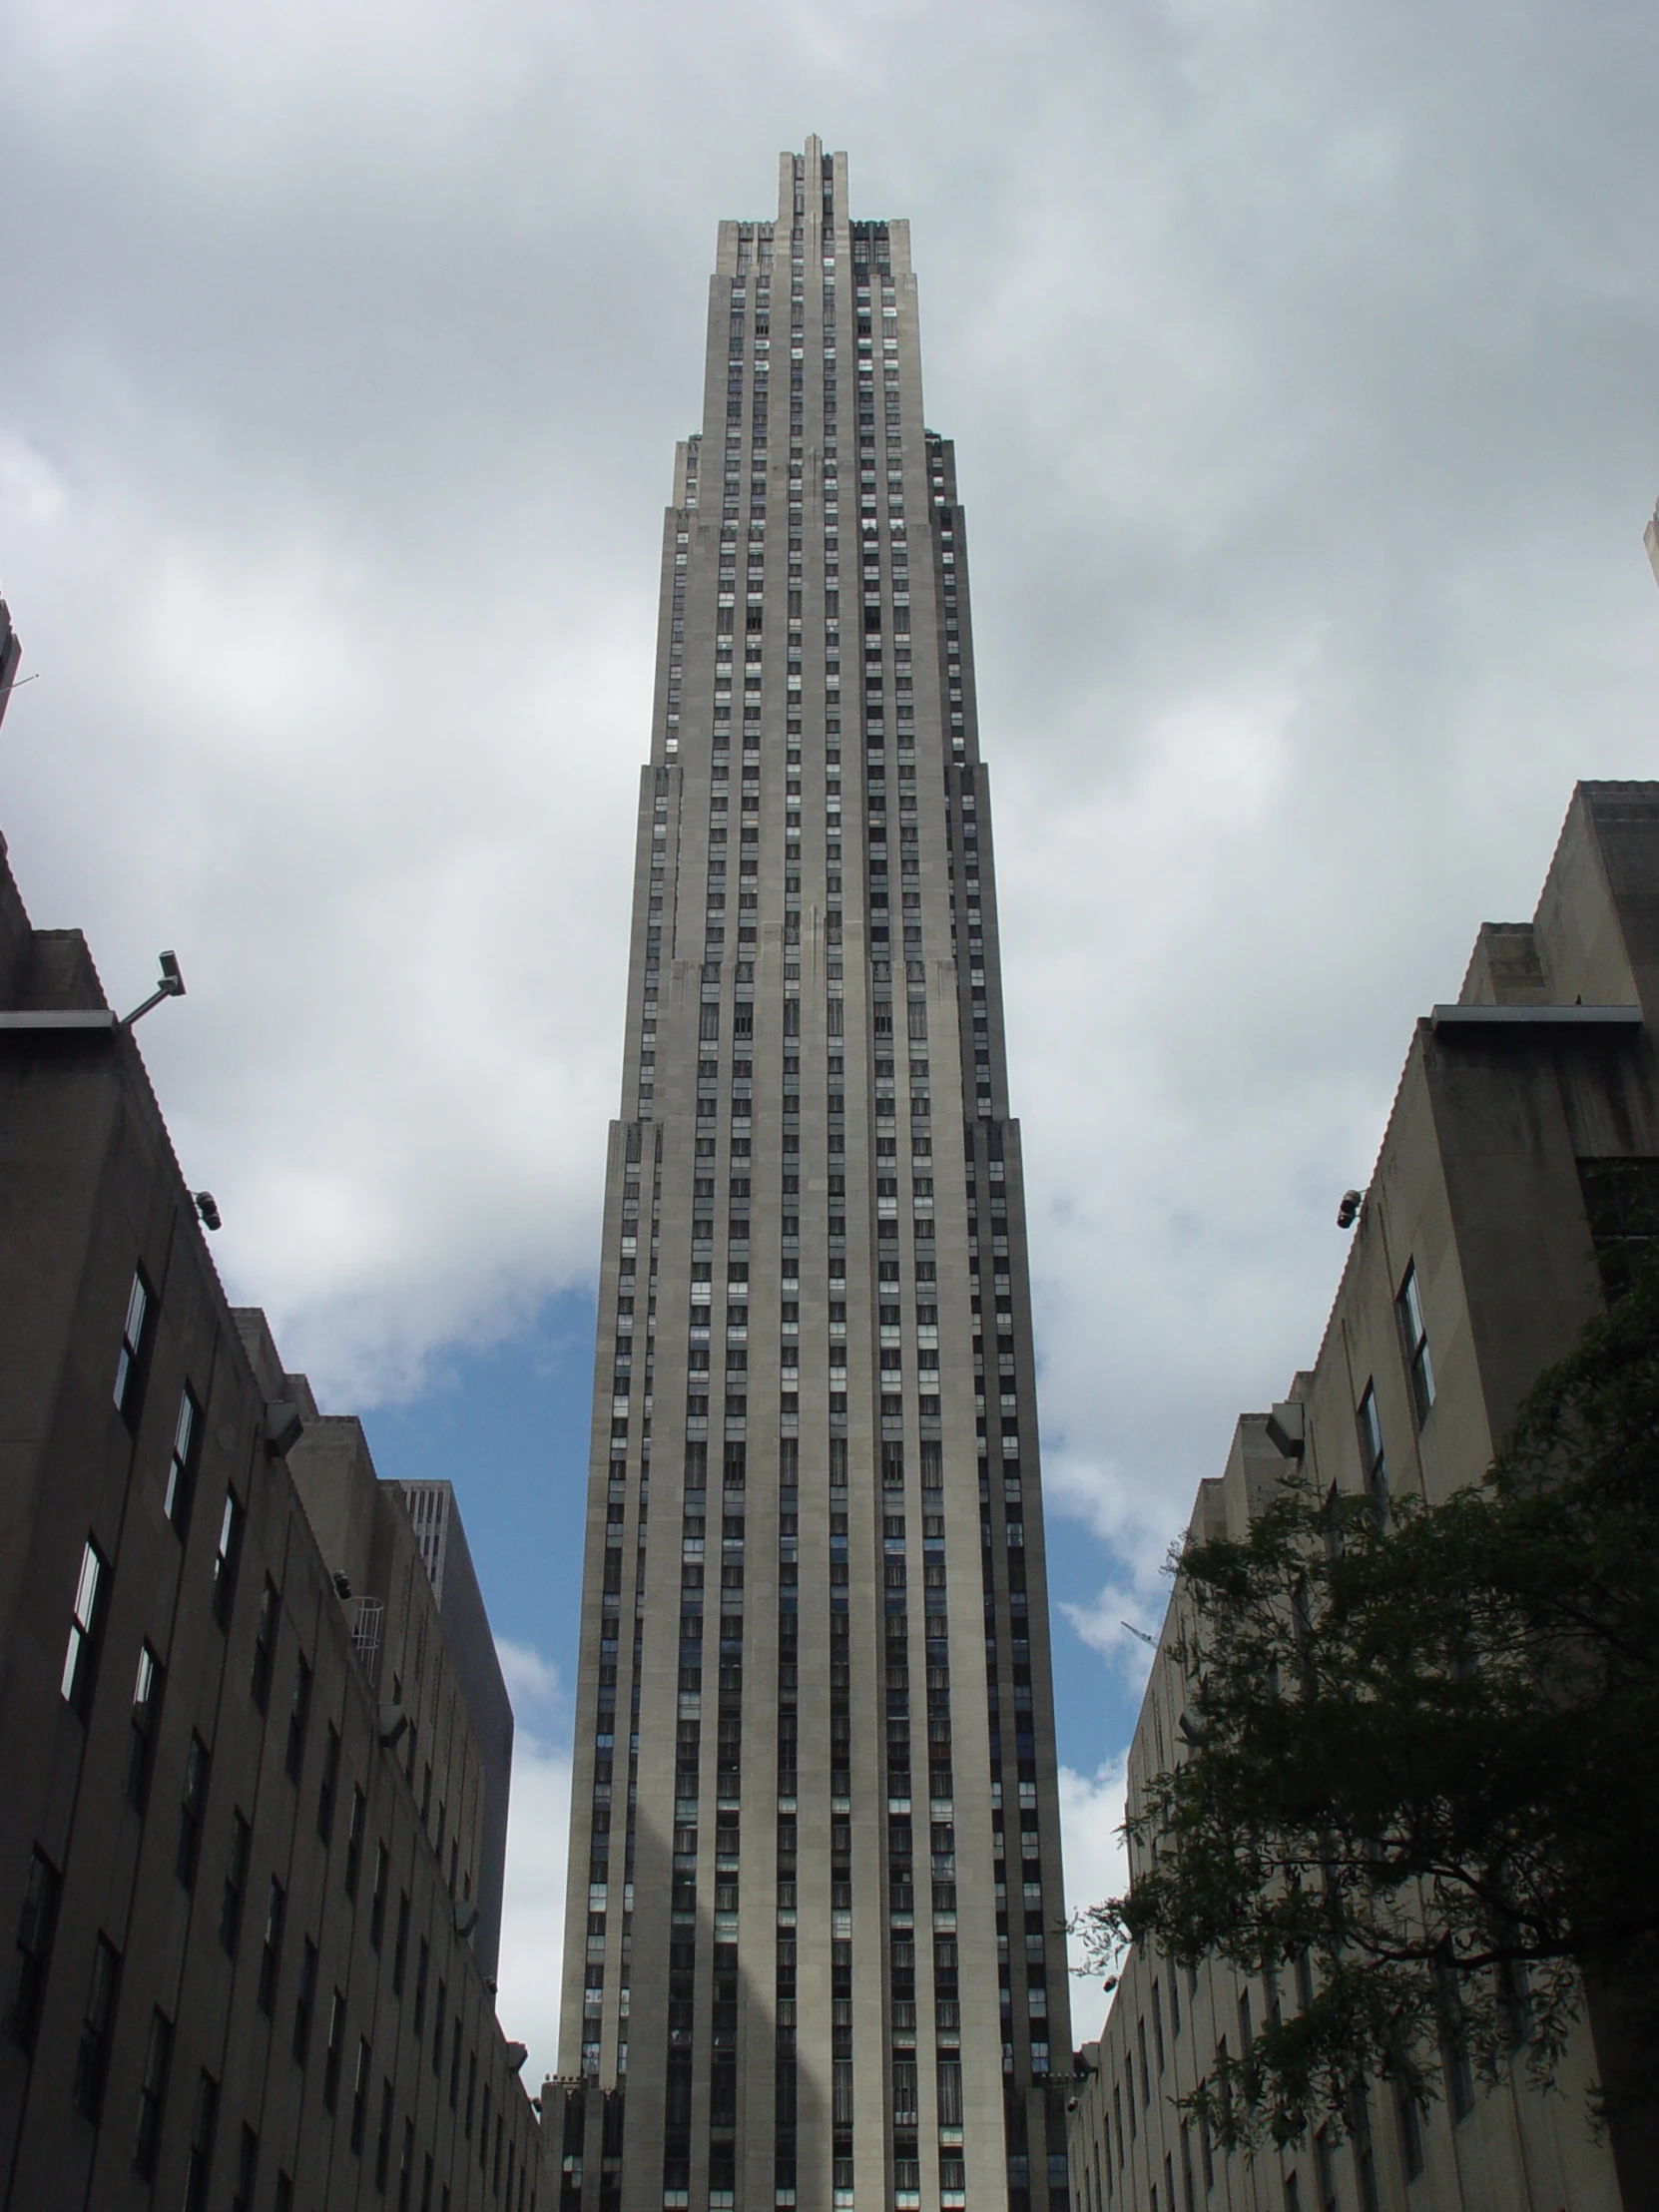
{"x": 533, "y": 1915}
{"x": 532, "y": 1682}
{"x": 1091, "y": 1816}
{"x": 1300, "y": 365}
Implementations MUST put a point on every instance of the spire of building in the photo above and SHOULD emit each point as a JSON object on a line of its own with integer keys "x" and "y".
{"x": 813, "y": 1953}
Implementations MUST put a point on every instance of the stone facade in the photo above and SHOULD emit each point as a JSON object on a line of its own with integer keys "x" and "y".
{"x": 813, "y": 1956}
{"x": 1511, "y": 1105}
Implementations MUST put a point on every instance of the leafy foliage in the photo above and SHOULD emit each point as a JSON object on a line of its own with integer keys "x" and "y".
{"x": 1420, "y": 1781}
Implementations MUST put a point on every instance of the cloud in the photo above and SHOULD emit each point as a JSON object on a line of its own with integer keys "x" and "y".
{"x": 1091, "y": 1815}
{"x": 538, "y": 1835}
{"x": 1300, "y": 363}
{"x": 532, "y": 1681}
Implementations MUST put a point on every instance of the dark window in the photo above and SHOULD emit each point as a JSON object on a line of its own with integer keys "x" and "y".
{"x": 225, "y": 1554}
{"x": 1408, "y": 2122}
{"x": 181, "y": 1467}
{"x": 236, "y": 1886}
{"x": 35, "y": 1925}
{"x": 377, "y": 1909}
{"x": 270, "y": 1950}
{"x": 1621, "y": 1198}
{"x": 1325, "y": 2172}
{"x": 1365, "y": 2154}
{"x": 327, "y": 1787}
{"x": 92, "y": 2055}
{"x": 359, "y": 2097}
{"x": 1371, "y": 1459}
{"x": 299, "y": 1712}
{"x": 248, "y": 2170}
{"x": 147, "y": 1710}
{"x": 401, "y": 1949}
{"x": 438, "y": 2009}
{"x": 335, "y": 2050}
{"x": 1413, "y": 1339}
{"x": 304, "y": 2002}
{"x": 190, "y": 1809}
{"x": 85, "y": 1621}
{"x": 129, "y": 1367}
{"x": 158, "y": 2058}
{"x": 265, "y": 1644}
{"x": 355, "y": 1843}
{"x": 382, "y": 2138}
{"x": 422, "y": 1965}
{"x": 204, "y": 2124}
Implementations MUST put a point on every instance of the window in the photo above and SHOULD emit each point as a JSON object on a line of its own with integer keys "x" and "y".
{"x": 423, "y": 1967}
{"x": 205, "y": 2122}
{"x": 377, "y": 1907}
{"x": 247, "y": 2169}
{"x": 158, "y": 2058}
{"x": 359, "y": 2097}
{"x": 1621, "y": 1200}
{"x": 265, "y": 1644}
{"x": 1325, "y": 2172}
{"x": 190, "y": 1809}
{"x": 225, "y": 1554}
{"x": 382, "y": 2138}
{"x": 86, "y": 1619}
{"x": 129, "y": 1367}
{"x": 1365, "y": 2154}
{"x": 1371, "y": 1460}
{"x": 1413, "y": 1339}
{"x": 181, "y": 1467}
{"x": 305, "y": 2004}
{"x": 337, "y": 2046}
{"x": 146, "y": 1708}
{"x": 270, "y": 1950}
{"x": 92, "y": 2056}
{"x": 236, "y": 1886}
{"x": 35, "y": 1925}
{"x": 1408, "y": 2122}
{"x": 327, "y": 1787}
{"x": 299, "y": 1711}
{"x": 355, "y": 1843}
{"x": 401, "y": 1950}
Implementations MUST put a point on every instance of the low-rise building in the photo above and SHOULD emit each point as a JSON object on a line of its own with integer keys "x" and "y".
{"x": 1520, "y": 1157}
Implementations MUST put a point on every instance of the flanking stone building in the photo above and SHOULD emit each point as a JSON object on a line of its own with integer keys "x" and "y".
{"x": 251, "y": 1823}
{"x": 1520, "y": 1161}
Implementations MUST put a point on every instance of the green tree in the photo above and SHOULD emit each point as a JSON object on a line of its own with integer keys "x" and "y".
{"x": 1419, "y": 1786}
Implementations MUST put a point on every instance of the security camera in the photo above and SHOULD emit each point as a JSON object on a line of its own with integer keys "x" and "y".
{"x": 1349, "y": 1211}
{"x": 171, "y": 986}
{"x": 207, "y": 1207}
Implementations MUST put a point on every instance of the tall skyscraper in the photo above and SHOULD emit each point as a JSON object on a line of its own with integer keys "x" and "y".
{"x": 812, "y": 1954}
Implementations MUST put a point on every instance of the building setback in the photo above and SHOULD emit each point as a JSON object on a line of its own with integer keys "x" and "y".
{"x": 245, "y": 1841}
{"x": 1521, "y": 1154}
{"x": 813, "y": 1956}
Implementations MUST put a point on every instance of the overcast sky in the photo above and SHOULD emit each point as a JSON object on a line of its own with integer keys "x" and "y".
{"x": 1301, "y": 362}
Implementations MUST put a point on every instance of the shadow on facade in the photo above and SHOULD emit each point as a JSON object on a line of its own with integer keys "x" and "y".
{"x": 719, "y": 2107}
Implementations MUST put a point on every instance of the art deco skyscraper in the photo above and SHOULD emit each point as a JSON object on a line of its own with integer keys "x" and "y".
{"x": 813, "y": 1954}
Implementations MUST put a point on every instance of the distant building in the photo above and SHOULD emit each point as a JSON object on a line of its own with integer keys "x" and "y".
{"x": 250, "y": 1866}
{"x": 1522, "y": 1157}
{"x": 441, "y": 1539}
